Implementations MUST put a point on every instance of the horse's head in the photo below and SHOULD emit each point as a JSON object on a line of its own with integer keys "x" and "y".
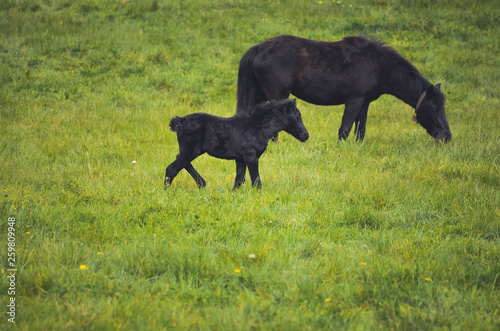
{"x": 293, "y": 121}
{"x": 430, "y": 114}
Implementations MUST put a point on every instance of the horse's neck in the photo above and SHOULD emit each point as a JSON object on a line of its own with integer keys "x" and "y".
{"x": 407, "y": 87}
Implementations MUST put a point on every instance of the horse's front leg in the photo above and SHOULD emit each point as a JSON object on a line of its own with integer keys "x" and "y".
{"x": 360, "y": 123}
{"x": 352, "y": 110}
{"x": 196, "y": 176}
{"x": 253, "y": 169}
{"x": 241, "y": 169}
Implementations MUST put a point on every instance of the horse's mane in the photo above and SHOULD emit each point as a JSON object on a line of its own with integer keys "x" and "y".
{"x": 386, "y": 52}
{"x": 389, "y": 57}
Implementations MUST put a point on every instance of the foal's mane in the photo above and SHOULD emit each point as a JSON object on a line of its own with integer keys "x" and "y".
{"x": 270, "y": 105}
{"x": 266, "y": 108}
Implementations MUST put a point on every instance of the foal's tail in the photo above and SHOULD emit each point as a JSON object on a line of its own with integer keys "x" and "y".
{"x": 176, "y": 124}
{"x": 249, "y": 91}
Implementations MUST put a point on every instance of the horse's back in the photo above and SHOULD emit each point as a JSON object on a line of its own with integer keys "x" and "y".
{"x": 314, "y": 54}
{"x": 319, "y": 72}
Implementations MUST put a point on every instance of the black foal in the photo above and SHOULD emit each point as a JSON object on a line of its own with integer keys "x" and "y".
{"x": 240, "y": 138}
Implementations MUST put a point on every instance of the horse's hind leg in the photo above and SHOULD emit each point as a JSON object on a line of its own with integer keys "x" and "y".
{"x": 241, "y": 169}
{"x": 196, "y": 176}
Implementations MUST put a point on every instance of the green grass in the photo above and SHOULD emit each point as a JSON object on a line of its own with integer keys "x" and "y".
{"x": 395, "y": 233}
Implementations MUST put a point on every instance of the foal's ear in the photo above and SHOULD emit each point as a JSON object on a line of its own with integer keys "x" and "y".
{"x": 287, "y": 106}
{"x": 291, "y": 105}
{"x": 438, "y": 86}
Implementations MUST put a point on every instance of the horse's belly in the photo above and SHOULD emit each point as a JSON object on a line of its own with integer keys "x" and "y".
{"x": 320, "y": 95}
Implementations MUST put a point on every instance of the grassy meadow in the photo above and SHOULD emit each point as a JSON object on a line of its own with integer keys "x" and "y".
{"x": 396, "y": 233}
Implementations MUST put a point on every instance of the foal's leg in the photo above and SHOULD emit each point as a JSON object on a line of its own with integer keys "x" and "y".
{"x": 241, "y": 169}
{"x": 360, "y": 123}
{"x": 179, "y": 164}
{"x": 188, "y": 151}
{"x": 253, "y": 168}
{"x": 196, "y": 176}
{"x": 352, "y": 109}
{"x": 174, "y": 168}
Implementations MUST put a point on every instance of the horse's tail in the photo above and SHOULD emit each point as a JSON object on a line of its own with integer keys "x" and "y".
{"x": 249, "y": 91}
{"x": 176, "y": 124}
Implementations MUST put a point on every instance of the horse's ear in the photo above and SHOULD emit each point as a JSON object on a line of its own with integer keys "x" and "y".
{"x": 294, "y": 102}
{"x": 430, "y": 90}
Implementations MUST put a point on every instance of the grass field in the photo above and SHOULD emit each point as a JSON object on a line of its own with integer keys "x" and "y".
{"x": 397, "y": 233}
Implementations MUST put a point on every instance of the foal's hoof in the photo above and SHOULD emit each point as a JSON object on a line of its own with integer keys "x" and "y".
{"x": 167, "y": 183}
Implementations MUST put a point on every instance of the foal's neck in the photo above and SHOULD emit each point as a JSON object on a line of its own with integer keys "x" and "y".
{"x": 269, "y": 123}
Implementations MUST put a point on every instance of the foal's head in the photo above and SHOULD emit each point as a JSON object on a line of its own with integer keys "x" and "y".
{"x": 431, "y": 116}
{"x": 290, "y": 115}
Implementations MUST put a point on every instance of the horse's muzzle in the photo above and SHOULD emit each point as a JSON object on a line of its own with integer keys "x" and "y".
{"x": 443, "y": 136}
{"x": 304, "y": 136}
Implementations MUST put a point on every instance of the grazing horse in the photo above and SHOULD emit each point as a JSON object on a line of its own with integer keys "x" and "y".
{"x": 354, "y": 71}
{"x": 240, "y": 138}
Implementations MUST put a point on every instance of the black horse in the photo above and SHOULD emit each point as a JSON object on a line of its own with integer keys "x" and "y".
{"x": 240, "y": 138}
{"x": 354, "y": 71}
